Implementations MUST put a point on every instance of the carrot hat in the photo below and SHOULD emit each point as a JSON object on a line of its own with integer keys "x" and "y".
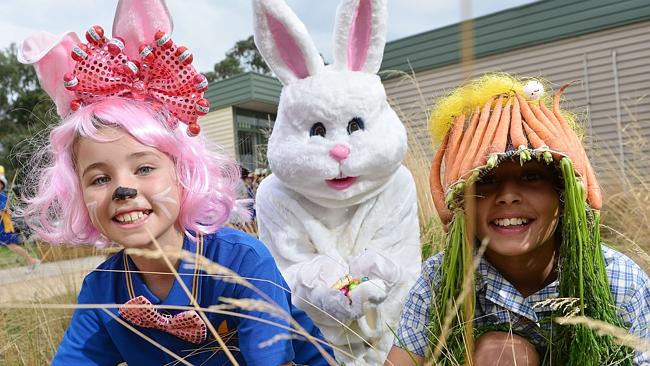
{"x": 481, "y": 124}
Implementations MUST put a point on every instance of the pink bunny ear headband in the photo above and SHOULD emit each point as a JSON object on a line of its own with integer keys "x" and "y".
{"x": 140, "y": 62}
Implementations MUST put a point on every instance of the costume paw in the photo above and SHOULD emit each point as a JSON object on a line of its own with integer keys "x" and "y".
{"x": 336, "y": 304}
{"x": 375, "y": 265}
{"x": 368, "y": 294}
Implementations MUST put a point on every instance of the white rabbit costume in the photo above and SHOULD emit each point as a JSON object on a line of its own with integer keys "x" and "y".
{"x": 339, "y": 200}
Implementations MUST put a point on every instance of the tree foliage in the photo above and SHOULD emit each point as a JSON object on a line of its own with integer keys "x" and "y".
{"x": 243, "y": 57}
{"x": 25, "y": 109}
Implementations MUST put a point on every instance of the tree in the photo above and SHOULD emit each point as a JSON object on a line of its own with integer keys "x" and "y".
{"x": 25, "y": 110}
{"x": 243, "y": 57}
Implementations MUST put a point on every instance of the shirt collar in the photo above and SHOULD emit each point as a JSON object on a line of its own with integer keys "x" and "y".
{"x": 177, "y": 295}
{"x": 501, "y": 292}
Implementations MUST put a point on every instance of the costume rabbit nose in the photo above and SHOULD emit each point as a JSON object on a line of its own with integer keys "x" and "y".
{"x": 122, "y": 193}
{"x": 339, "y": 152}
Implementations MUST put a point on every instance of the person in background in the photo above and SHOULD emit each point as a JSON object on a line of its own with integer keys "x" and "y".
{"x": 9, "y": 236}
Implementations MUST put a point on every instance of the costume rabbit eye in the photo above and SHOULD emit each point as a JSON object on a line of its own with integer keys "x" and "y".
{"x": 318, "y": 129}
{"x": 355, "y": 124}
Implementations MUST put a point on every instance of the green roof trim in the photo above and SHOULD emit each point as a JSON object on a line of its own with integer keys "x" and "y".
{"x": 239, "y": 89}
{"x": 528, "y": 25}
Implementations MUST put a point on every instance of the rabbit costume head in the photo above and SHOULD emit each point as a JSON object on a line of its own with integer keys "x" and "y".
{"x": 336, "y": 140}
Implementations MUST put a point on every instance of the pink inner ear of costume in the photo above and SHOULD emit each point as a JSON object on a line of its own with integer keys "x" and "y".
{"x": 50, "y": 56}
{"x": 137, "y": 21}
{"x": 287, "y": 47}
{"x": 359, "y": 37}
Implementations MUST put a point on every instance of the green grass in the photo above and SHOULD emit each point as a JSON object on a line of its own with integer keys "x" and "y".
{"x": 9, "y": 259}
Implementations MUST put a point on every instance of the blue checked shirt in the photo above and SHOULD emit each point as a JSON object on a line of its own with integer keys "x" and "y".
{"x": 498, "y": 302}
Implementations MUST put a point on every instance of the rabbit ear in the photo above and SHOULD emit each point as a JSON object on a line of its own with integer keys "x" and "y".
{"x": 50, "y": 56}
{"x": 360, "y": 35}
{"x": 283, "y": 41}
{"x": 137, "y": 21}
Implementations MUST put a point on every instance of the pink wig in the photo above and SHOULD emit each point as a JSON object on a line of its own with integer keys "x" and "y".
{"x": 55, "y": 208}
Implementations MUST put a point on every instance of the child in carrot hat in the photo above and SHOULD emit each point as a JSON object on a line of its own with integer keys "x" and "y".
{"x": 514, "y": 187}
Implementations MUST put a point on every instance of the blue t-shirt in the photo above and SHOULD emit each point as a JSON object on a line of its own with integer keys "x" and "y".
{"x": 96, "y": 338}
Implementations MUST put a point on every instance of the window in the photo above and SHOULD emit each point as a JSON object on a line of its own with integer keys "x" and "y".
{"x": 253, "y": 131}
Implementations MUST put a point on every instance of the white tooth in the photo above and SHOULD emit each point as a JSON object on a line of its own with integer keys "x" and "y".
{"x": 140, "y": 215}
{"x": 133, "y": 216}
{"x": 518, "y": 221}
{"x": 525, "y": 221}
{"x": 119, "y": 218}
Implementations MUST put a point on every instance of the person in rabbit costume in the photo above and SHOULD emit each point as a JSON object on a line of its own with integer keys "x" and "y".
{"x": 339, "y": 212}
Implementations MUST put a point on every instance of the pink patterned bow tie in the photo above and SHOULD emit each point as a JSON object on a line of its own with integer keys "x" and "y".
{"x": 187, "y": 325}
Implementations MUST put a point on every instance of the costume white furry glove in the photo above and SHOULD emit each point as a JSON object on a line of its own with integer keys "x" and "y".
{"x": 313, "y": 288}
{"x": 382, "y": 274}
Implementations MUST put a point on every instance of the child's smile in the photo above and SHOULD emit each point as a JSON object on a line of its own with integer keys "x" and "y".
{"x": 511, "y": 225}
{"x": 126, "y": 217}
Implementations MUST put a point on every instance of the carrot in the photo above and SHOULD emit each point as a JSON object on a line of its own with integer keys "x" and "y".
{"x": 556, "y": 101}
{"x": 516, "y": 129}
{"x": 543, "y": 133}
{"x": 565, "y": 138}
{"x": 467, "y": 136}
{"x": 594, "y": 193}
{"x": 553, "y": 120}
{"x": 478, "y": 136}
{"x": 481, "y": 156}
{"x": 554, "y": 142}
{"x": 574, "y": 147}
{"x": 453, "y": 144}
{"x": 435, "y": 183}
{"x": 501, "y": 136}
{"x": 541, "y": 117}
{"x": 534, "y": 140}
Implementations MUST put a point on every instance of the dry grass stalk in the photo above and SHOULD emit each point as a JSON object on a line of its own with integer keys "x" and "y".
{"x": 621, "y": 336}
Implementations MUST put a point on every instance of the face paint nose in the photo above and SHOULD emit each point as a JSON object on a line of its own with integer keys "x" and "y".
{"x": 122, "y": 193}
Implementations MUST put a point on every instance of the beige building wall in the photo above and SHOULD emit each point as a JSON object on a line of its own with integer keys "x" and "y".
{"x": 612, "y": 95}
{"x": 218, "y": 127}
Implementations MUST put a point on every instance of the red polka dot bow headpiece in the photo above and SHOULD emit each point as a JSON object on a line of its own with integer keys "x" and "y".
{"x": 140, "y": 61}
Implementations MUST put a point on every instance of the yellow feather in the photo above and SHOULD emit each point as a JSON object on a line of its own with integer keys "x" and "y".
{"x": 466, "y": 98}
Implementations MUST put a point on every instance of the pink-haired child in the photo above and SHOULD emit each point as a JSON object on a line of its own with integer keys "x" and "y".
{"x": 121, "y": 170}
